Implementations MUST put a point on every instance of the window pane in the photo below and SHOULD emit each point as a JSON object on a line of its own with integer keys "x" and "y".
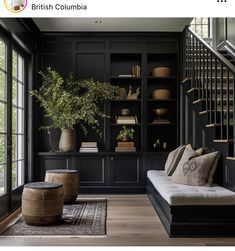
{"x": 205, "y": 20}
{"x": 2, "y": 55}
{"x": 205, "y": 31}
{"x": 20, "y": 69}
{"x": 14, "y": 175}
{"x": 2, "y": 117}
{"x": 14, "y": 119}
{"x": 14, "y": 64}
{"x": 20, "y": 142}
{"x": 2, "y": 86}
{"x": 20, "y": 95}
{"x": 14, "y": 92}
{"x": 14, "y": 147}
{"x": 20, "y": 121}
{"x": 2, "y": 179}
{"x": 2, "y": 149}
{"x": 20, "y": 173}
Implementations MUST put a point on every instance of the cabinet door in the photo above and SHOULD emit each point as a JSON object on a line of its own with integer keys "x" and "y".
{"x": 125, "y": 170}
{"x": 92, "y": 170}
{"x": 52, "y": 163}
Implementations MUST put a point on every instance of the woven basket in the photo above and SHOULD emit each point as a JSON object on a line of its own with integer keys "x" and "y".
{"x": 161, "y": 72}
{"x": 42, "y": 206}
{"x": 69, "y": 180}
{"x": 161, "y": 94}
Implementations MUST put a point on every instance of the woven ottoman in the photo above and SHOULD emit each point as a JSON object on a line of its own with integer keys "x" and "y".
{"x": 42, "y": 203}
{"x": 69, "y": 179}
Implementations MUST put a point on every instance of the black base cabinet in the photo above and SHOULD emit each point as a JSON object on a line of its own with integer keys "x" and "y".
{"x": 104, "y": 172}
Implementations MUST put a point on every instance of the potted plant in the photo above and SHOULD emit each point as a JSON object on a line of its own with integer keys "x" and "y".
{"x": 71, "y": 102}
{"x": 125, "y": 134}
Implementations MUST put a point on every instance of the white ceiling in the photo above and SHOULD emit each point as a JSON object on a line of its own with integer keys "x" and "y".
{"x": 111, "y": 24}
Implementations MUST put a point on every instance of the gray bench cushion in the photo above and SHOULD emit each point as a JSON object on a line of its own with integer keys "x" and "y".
{"x": 177, "y": 194}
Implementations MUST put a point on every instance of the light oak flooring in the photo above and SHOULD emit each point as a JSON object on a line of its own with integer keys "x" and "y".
{"x": 131, "y": 221}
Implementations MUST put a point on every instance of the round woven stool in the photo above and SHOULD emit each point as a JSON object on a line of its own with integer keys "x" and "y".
{"x": 69, "y": 179}
{"x": 42, "y": 203}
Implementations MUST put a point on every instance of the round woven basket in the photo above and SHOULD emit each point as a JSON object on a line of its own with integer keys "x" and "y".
{"x": 70, "y": 181}
{"x": 161, "y": 71}
{"x": 161, "y": 94}
{"x": 42, "y": 204}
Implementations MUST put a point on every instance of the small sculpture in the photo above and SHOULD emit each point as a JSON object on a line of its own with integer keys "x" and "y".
{"x": 133, "y": 95}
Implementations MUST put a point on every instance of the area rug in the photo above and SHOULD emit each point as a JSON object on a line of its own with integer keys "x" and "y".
{"x": 84, "y": 218}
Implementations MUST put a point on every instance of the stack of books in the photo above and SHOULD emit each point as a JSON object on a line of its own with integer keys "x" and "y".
{"x": 161, "y": 121}
{"x": 88, "y": 147}
{"x": 136, "y": 71}
{"x": 125, "y": 76}
{"x": 125, "y": 147}
{"x": 122, "y": 120}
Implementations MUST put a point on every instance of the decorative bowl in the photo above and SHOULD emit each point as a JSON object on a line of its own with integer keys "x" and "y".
{"x": 161, "y": 94}
{"x": 161, "y": 72}
{"x": 161, "y": 112}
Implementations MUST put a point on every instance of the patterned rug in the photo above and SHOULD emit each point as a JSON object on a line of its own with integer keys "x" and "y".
{"x": 87, "y": 217}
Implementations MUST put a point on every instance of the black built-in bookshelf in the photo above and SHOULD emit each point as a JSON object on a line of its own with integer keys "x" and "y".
{"x": 106, "y": 56}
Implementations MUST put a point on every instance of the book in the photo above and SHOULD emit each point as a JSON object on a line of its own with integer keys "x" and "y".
{"x": 125, "y": 76}
{"x": 136, "y": 71}
{"x": 88, "y": 150}
{"x": 89, "y": 144}
{"x": 125, "y": 149}
{"x": 126, "y": 120}
{"x": 126, "y": 144}
{"x": 158, "y": 121}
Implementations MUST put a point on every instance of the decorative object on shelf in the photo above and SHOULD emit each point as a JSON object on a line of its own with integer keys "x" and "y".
{"x": 164, "y": 146}
{"x": 71, "y": 102}
{"x": 127, "y": 146}
{"x": 121, "y": 93}
{"x": 122, "y": 120}
{"x": 161, "y": 113}
{"x": 161, "y": 94}
{"x": 66, "y": 143}
{"x": 133, "y": 95}
{"x": 125, "y": 76}
{"x": 88, "y": 147}
{"x": 157, "y": 145}
{"x": 136, "y": 71}
{"x": 161, "y": 72}
{"x": 125, "y": 112}
{"x": 125, "y": 134}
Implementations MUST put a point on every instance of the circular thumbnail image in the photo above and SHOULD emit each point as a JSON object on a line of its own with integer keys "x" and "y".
{"x": 15, "y": 5}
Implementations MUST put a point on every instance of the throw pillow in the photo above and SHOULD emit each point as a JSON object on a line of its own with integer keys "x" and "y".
{"x": 196, "y": 170}
{"x": 173, "y": 160}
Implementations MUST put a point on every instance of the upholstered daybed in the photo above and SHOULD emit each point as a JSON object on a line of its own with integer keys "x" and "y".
{"x": 187, "y": 211}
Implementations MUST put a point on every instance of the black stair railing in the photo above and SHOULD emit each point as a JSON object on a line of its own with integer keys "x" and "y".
{"x": 213, "y": 78}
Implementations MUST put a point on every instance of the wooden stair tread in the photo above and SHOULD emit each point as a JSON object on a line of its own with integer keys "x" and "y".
{"x": 214, "y": 125}
{"x": 199, "y": 100}
{"x": 230, "y": 158}
{"x": 186, "y": 80}
{"x": 223, "y": 140}
{"x": 208, "y": 111}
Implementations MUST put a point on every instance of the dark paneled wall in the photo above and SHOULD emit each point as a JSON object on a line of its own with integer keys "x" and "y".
{"x": 89, "y": 55}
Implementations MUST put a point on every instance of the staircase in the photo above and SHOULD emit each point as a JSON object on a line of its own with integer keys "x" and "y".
{"x": 208, "y": 103}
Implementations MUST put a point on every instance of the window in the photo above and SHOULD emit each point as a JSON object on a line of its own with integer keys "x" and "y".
{"x": 202, "y": 26}
{"x": 12, "y": 116}
{"x": 17, "y": 120}
{"x": 3, "y": 117}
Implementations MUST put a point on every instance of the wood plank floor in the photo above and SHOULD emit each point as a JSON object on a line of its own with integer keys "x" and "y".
{"x": 131, "y": 220}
